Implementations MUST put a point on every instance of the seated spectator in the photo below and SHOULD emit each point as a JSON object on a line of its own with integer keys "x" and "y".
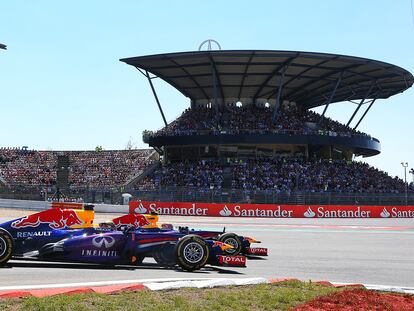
{"x": 251, "y": 119}
{"x": 281, "y": 175}
{"x": 103, "y": 169}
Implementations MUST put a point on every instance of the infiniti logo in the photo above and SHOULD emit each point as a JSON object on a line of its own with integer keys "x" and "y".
{"x": 103, "y": 241}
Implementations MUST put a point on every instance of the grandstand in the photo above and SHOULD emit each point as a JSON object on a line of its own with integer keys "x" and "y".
{"x": 250, "y": 128}
{"x": 98, "y": 170}
{"x": 249, "y": 135}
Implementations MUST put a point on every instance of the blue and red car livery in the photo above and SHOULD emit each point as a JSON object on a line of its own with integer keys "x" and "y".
{"x": 149, "y": 222}
{"x": 70, "y": 235}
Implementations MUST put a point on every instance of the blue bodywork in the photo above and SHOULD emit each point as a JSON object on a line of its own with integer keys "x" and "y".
{"x": 94, "y": 244}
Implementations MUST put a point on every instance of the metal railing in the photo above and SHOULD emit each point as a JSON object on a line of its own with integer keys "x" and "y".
{"x": 175, "y": 194}
{"x": 272, "y": 197}
{"x": 151, "y": 134}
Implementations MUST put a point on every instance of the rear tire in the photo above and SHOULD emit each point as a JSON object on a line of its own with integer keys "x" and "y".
{"x": 6, "y": 247}
{"x": 191, "y": 253}
{"x": 233, "y": 240}
{"x": 164, "y": 255}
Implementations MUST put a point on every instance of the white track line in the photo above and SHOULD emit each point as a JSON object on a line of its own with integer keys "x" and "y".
{"x": 385, "y": 288}
{"x": 101, "y": 283}
{"x": 398, "y": 289}
{"x": 205, "y": 283}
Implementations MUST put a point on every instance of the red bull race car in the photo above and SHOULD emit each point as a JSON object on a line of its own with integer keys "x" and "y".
{"x": 70, "y": 235}
{"x": 241, "y": 245}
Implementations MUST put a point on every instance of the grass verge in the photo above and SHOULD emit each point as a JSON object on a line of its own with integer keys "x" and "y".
{"x": 281, "y": 296}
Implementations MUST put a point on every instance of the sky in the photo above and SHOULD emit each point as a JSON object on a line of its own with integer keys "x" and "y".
{"x": 62, "y": 86}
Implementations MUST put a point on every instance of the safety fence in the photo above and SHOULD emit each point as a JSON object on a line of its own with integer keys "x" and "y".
{"x": 175, "y": 194}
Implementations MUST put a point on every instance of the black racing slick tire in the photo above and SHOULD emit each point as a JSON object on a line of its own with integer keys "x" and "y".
{"x": 233, "y": 240}
{"x": 164, "y": 255}
{"x": 191, "y": 252}
{"x": 6, "y": 247}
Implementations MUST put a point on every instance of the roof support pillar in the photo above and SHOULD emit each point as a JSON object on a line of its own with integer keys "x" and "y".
{"x": 156, "y": 97}
{"x": 332, "y": 96}
{"x": 361, "y": 103}
{"x": 279, "y": 94}
{"x": 215, "y": 89}
{"x": 366, "y": 111}
{"x": 216, "y": 83}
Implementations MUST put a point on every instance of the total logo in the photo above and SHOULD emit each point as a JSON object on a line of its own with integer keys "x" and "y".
{"x": 233, "y": 260}
{"x": 257, "y": 251}
{"x": 103, "y": 241}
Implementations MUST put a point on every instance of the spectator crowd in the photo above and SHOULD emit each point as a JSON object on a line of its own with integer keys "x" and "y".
{"x": 252, "y": 119}
{"x": 103, "y": 169}
{"x": 111, "y": 169}
{"x": 94, "y": 169}
{"x": 281, "y": 175}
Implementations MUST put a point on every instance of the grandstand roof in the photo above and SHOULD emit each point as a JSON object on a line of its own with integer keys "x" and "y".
{"x": 309, "y": 78}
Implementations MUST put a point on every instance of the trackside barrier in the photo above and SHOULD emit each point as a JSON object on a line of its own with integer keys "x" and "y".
{"x": 270, "y": 210}
{"x": 236, "y": 210}
{"x": 100, "y": 208}
{"x": 71, "y": 205}
{"x": 42, "y": 205}
{"x": 24, "y": 204}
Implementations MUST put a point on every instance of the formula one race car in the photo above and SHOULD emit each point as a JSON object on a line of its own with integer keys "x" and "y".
{"x": 241, "y": 245}
{"x": 69, "y": 235}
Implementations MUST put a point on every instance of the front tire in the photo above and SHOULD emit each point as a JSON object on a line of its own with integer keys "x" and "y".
{"x": 191, "y": 253}
{"x": 6, "y": 247}
{"x": 233, "y": 240}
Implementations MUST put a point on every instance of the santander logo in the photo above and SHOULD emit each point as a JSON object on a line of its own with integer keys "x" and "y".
{"x": 385, "y": 213}
{"x": 225, "y": 211}
{"x": 140, "y": 209}
{"x": 309, "y": 213}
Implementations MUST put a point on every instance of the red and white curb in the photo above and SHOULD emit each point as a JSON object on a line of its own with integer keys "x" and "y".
{"x": 111, "y": 287}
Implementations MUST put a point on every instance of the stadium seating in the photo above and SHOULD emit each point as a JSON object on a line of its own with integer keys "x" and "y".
{"x": 282, "y": 175}
{"x": 103, "y": 169}
{"x": 109, "y": 169}
{"x": 252, "y": 119}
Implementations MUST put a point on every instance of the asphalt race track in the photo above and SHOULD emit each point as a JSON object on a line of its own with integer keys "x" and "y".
{"x": 370, "y": 251}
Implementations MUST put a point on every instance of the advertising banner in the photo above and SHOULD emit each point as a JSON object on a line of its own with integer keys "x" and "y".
{"x": 69, "y": 205}
{"x": 270, "y": 210}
